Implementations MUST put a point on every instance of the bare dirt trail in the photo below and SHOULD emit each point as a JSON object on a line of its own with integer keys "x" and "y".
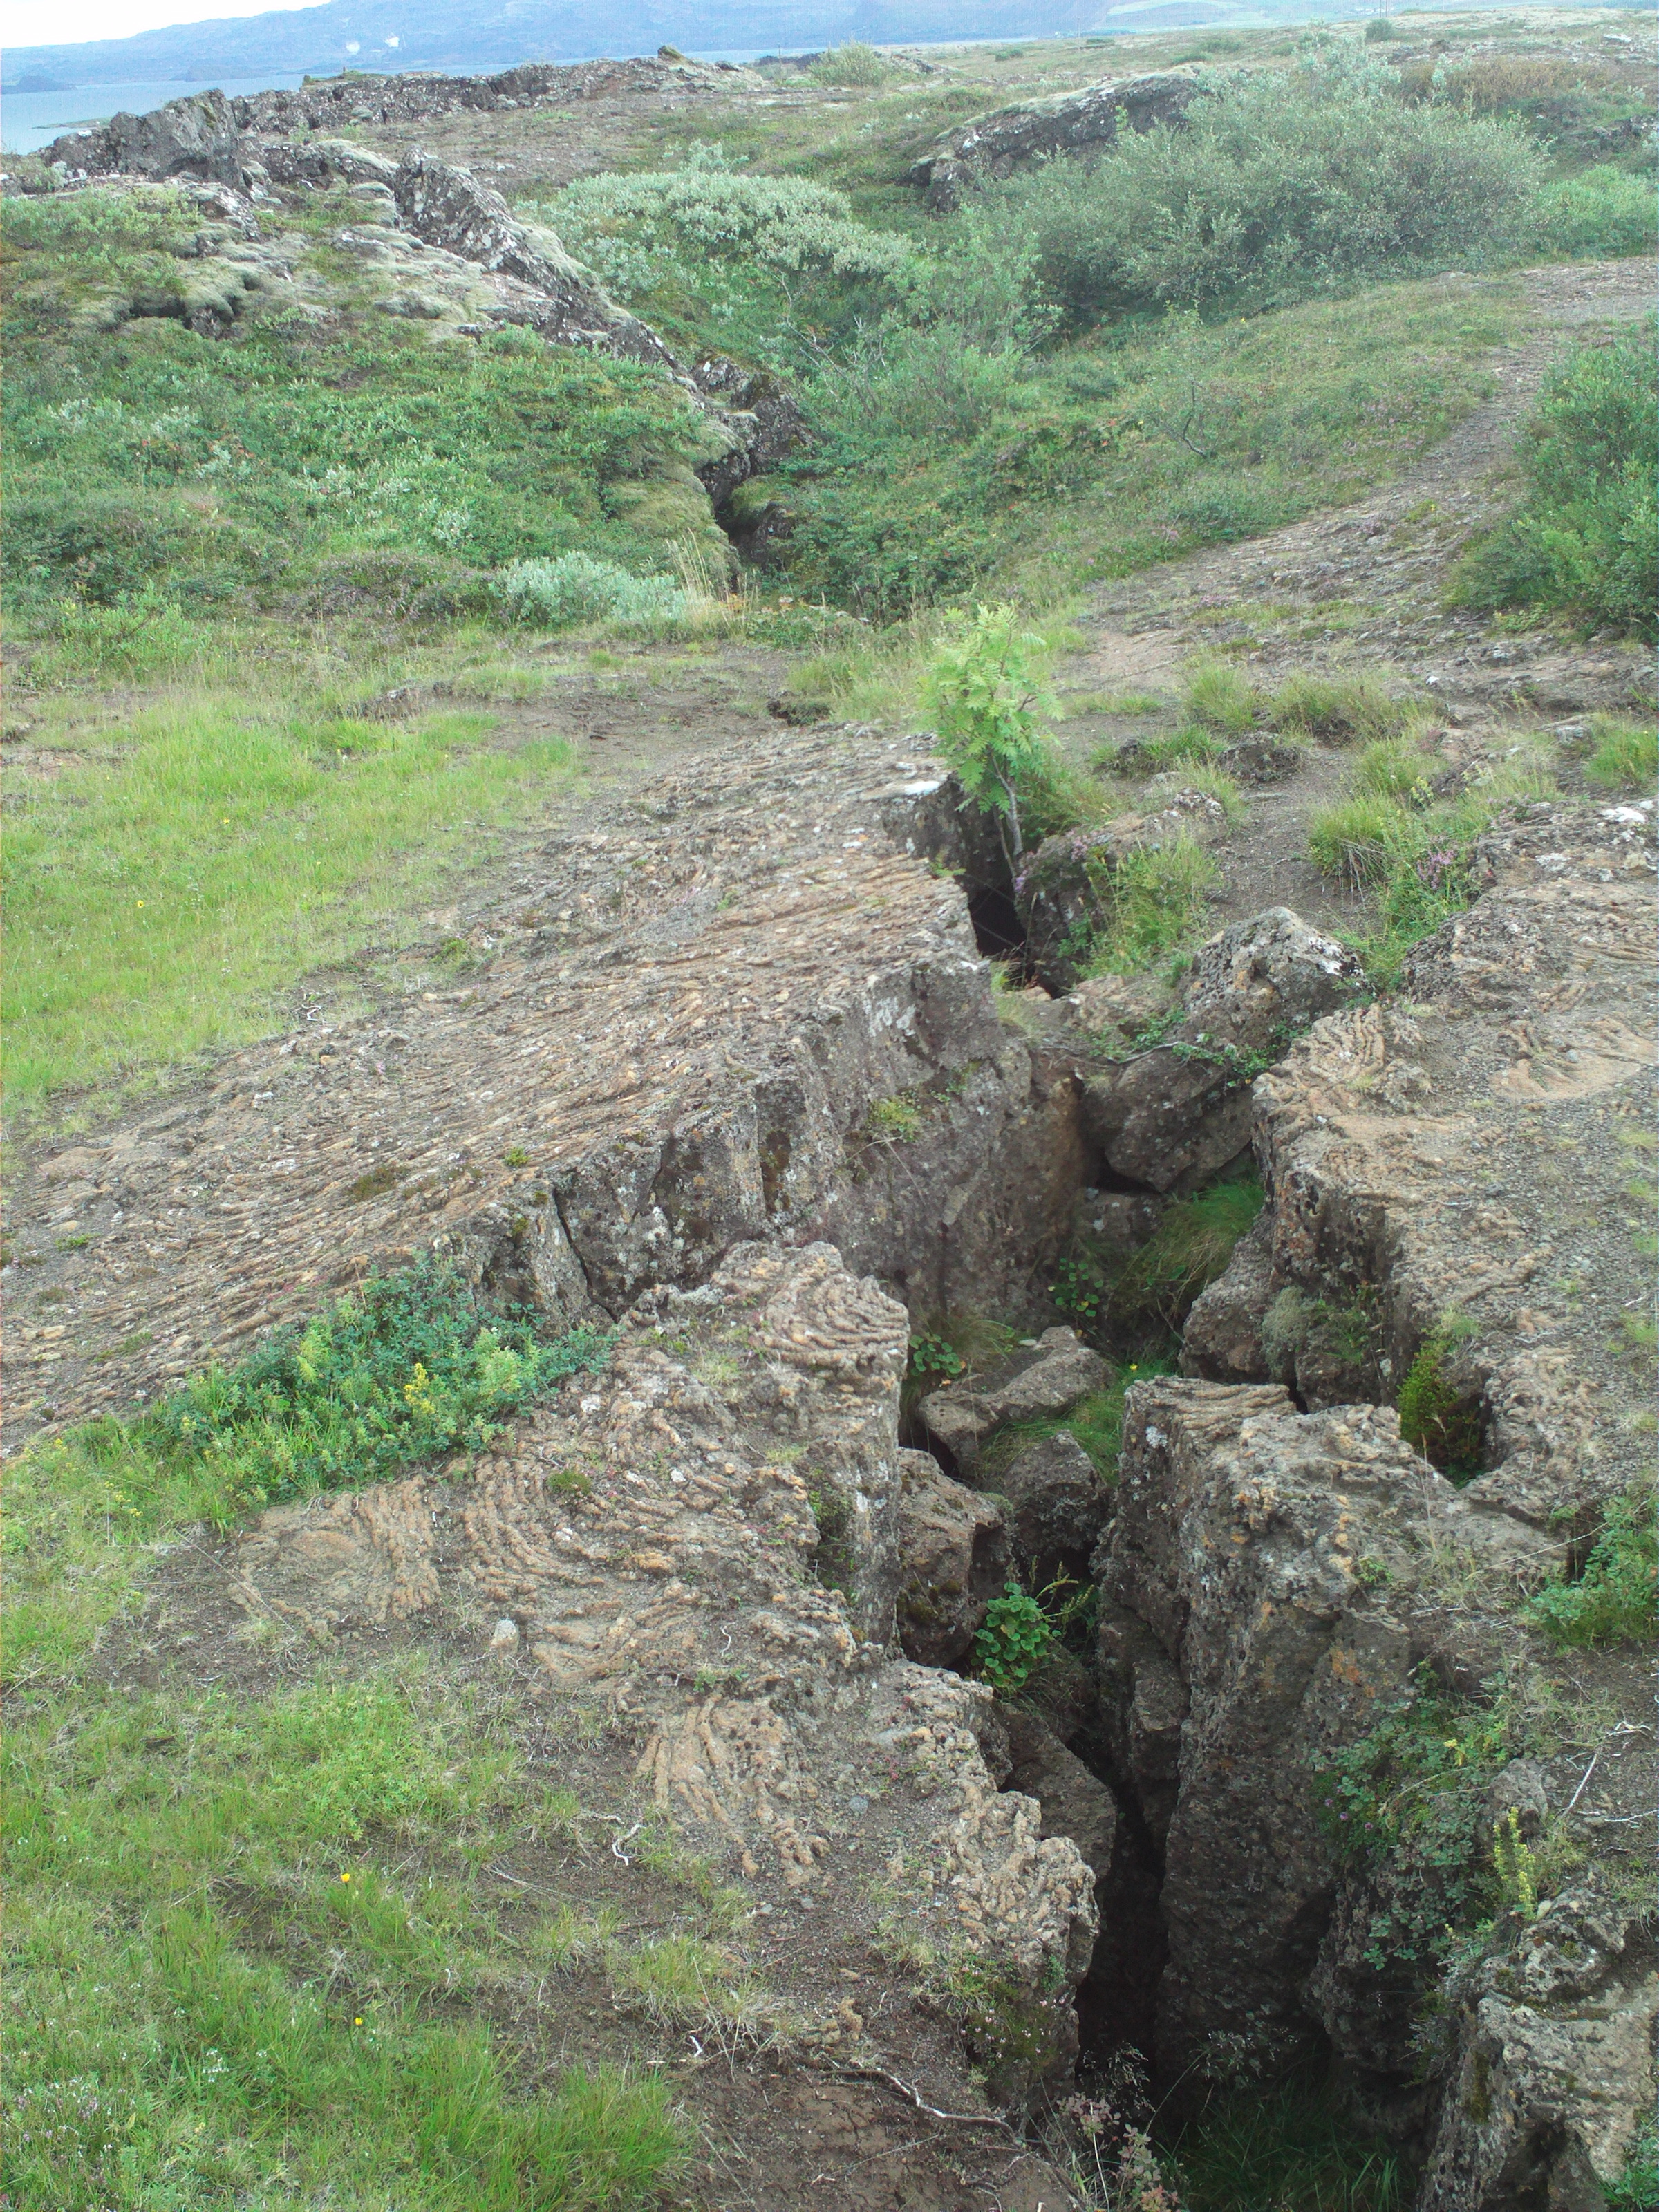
{"x": 1361, "y": 589}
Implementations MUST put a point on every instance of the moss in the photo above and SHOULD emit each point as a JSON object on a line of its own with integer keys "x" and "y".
{"x": 1438, "y": 1413}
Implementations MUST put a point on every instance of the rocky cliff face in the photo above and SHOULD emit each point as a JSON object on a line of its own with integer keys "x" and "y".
{"x": 1068, "y": 122}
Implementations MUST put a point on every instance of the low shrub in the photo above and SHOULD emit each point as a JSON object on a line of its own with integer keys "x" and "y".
{"x": 576, "y": 588}
{"x": 983, "y": 688}
{"x": 1625, "y": 755}
{"x": 1586, "y": 539}
{"x": 1281, "y": 183}
{"x": 1437, "y": 1415}
{"x": 1601, "y": 211}
{"x": 852, "y": 64}
{"x": 1614, "y": 1601}
{"x": 1016, "y": 1635}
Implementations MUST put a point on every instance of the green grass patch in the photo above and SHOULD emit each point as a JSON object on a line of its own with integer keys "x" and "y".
{"x": 1438, "y": 1414}
{"x": 159, "y": 895}
{"x": 277, "y": 2014}
{"x": 1614, "y": 1601}
{"x": 1338, "y": 708}
{"x": 1625, "y": 755}
{"x": 1190, "y": 1247}
{"x": 1154, "y": 903}
{"x": 1294, "y": 2147}
{"x": 1221, "y": 698}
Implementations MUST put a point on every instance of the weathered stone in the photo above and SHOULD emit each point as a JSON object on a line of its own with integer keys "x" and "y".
{"x": 1520, "y": 1790}
{"x": 1272, "y": 1555}
{"x": 1222, "y": 1339}
{"x": 1553, "y": 2068}
{"x": 740, "y": 1430}
{"x": 1176, "y": 1113}
{"x": 953, "y": 1561}
{"x": 1145, "y": 1704}
{"x": 1406, "y": 1154}
{"x": 1048, "y": 1378}
{"x": 194, "y": 137}
{"x": 1074, "y": 1802}
{"x": 1057, "y": 1507}
{"x": 1068, "y": 122}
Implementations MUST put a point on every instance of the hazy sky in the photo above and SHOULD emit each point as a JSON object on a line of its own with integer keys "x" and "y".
{"x": 53, "y": 23}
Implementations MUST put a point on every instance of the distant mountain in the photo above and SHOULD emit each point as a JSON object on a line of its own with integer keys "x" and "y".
{"x": 402, "y": 34}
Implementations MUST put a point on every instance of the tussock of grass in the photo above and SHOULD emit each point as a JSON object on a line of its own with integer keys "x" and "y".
{"x": 1191, "y": 1246}
{"x": 1339, "y": 709}
{"x": 1154, "y": 902}
{"x": 157, "y": 897}
{"x": 1390, "y": 768}
{"x": 1294, "y": 2147}
{"x": 1221, "y": 698}
{"x": 1363, "y": 838}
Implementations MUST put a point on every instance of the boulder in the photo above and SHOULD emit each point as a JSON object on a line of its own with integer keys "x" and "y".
{"x": 953, "y": 1561}
{"x": 1062, "y": 891}
{"x": 1044, "y": 1379}
{"x": 1274, "y": 1558}
{"x": 196, "y": 136}
{"x": 1181, "y": 1111}
{"x": 1222, "y": 1340}
{"x": 1553, "y": 2063}
{"x": 1073, "y": 1802}
{"x": 1057, "y": 1507}
{"x": 1068, "y": 122}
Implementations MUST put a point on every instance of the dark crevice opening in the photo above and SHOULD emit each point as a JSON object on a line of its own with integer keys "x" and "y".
{"x": 998, "y": 929}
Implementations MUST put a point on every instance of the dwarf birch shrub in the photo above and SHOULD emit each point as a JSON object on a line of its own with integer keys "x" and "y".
{"x": 1278, "y": 184}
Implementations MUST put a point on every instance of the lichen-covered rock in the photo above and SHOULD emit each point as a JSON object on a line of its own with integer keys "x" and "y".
{"x": 1057, "y": 1507}
{"x": 1047, "y": 1378}
{"x": 1178, "y": 1111}
{"x": 953, "y": 1559}
{"x": 1272, "y": 1555}
{"x": 194, "y": 137}
{"x": 1412, "y": 1158}
{"x": 1553, "y": 2068}
{"x": 994, "y": 144}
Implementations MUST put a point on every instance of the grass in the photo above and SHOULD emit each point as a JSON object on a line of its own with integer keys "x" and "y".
{"x": 277, "y": 2012}
{"x": 1339, "y": 709}
{"x": 161, "y": 891}
{"x": 1190, "y": 1247}
{"x": 1154, "y": 901}
{"x": 405, "y": 1369}
{"x": 1221, "y": 699}
{"x": 1625, "y": 754}
{"x": 1292, "y": 2147}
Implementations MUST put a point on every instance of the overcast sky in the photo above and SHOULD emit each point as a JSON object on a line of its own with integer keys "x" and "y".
{"x": 54, "y": 22}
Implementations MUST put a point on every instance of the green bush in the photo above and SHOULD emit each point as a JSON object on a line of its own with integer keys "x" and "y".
{"x": 1281, "y": 182}
{"x": 852, "y": 64}
{"x": 984, "y": 692}
{"x": 1016, "y": 1635}
{"x": 1614, "y": 1601}
{"x": 1442, "y": 1419}
{"x": 1586, "y": 539}
{"x": 576, "y": 588}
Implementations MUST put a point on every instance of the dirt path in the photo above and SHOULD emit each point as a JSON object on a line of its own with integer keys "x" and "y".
{"x": 1361, "y": 589}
